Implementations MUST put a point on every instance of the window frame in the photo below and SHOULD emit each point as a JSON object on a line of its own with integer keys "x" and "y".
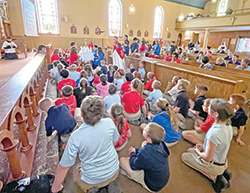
{"x": 222, "y": 13}
{"x": 39, "y": 26}
{"x": 237, "y": 44}
{"x": 162, "y": 22}
{"x": 121, "y": 17}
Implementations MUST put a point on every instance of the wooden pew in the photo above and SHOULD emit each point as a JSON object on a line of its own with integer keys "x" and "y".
{"x": 19, "y": 107}
{"x": 217, "y": 81}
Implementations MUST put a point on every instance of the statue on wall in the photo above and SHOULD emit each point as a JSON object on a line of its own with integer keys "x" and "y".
{"x": 73, "y": 29}
{"x": 4, "y": 10}
{"x": 98, "y": 31}
{"x": 179, "y": 39}
{"x": 86, "y": 30}
{"x": 146, "y": 33}
{"x": 138, "y": 33}
{"x": 130, "y": 33}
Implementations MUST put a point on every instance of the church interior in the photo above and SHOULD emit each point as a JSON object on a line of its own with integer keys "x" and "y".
{"x": 205, "y": 43}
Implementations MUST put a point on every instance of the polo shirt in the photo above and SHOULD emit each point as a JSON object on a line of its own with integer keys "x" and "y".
{"x": 142, "y": 72}
{"x": 239, "y": 118}
{"x": 126, "y": 50}
{"x": 72, "y": 58}
{"x": 152, "y": 56}
{"x": 80, "y": 95}
{"x": 70, "y": 102}
{"x": 111, "y": 99}
{"x": 132, "y": 102}
{"x": 231, "y": 62}
{"x": 240, "y": 68}
{"x": 118, "y": 83}
{"x": 142, "y": 48}
{"x": 94, "y": 147}
{"x": 102, "y": 90}
{"x": 74, "y": 75}
{"x": 155, "y": 95}
{"x": 227, "y": 58}
{"x": 207, "y": 124}
{"x": 97, "y": 80}
{"x": 134, "y": 46}
{"x": 110, "y": 76}
{"x": 182, "y": 102}
{"x": 126, "y": 87}
{"x": 174, "y": 92}
{"x": 65, "y": 82}
{"x": 104, "y": 69}
{"x": 148, "y": 86}
{"x": 157, "y": 49}
{"x": 199, "y": 101}
{"x": 54, "y": 57}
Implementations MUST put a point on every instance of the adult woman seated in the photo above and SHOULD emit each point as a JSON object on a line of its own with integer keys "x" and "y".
{"x": 93, "y": 143}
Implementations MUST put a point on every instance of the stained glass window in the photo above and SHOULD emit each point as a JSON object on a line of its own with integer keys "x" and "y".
{"x": 243, "y": 45}
{"x": 158, "y": 21}
{"x": 47, "y": 16}
{"x": 115, "y": 17}
{"x": 222, "y": 7}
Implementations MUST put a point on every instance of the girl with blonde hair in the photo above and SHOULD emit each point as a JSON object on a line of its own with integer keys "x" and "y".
{"x": 166, "y": 118}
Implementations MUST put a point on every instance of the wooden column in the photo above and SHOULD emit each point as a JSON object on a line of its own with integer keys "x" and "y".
{"x": 26, "y": 145}
{"x": 206, "y": 38}
{"x": 34, "y": 104}
{"x": 31, "y": 124}
{"x": 9, "y": 146}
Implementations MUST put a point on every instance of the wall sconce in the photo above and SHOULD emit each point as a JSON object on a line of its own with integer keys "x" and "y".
{"x": 127, "y": 25}
{"x": 181, "y": 17}
{"x": 132, "y": 9}
{"x": 166, "y": 29}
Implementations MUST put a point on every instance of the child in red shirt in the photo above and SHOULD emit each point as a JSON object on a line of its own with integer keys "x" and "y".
{"x": 200, "y": 129}
{"x": 91, "y": 45}
{"x": 143, "y": 47}
{"x": 166, "y": 57}
{"x": 68, "y": 98}
{"x": 73, "y": 55}
{"x": 97, "y": 78}
{"x": 126, "y": 86}
{"x": 175, "y": 58}
{"x": 65, "y": 80}
{"x": 151, "y": 54}
{"x": 151, "y": 77}
{"x": 133, "y": 100}
{"x": 122, "y": 126}
{"x": 55, "y": 55}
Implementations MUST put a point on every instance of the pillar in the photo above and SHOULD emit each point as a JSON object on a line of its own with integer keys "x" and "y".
{"x": 31, "y": 124}
{"x": 206, "y": 38}
{"x": 34, "y": 104}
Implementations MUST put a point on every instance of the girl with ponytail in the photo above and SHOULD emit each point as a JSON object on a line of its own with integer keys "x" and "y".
{"x": 122, "y": 126}
{"x": 150, "y": 79}
{"x": 166, "y": 118}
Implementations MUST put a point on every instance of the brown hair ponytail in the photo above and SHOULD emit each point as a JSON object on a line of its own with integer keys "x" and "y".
{"x": 117, "y": 114}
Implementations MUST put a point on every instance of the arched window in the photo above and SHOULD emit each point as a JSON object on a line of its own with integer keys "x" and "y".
{"x": 222, "y": 7}
{"x": 158, "y": 21}
{"x": 115, "y": 17}
{"x": 47, "y": 16}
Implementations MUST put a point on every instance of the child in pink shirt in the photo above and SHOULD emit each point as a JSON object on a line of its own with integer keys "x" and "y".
{"x": 102, "y": 88}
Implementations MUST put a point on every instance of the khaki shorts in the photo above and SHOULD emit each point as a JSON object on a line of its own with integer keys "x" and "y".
{"x": 200, "y": 136}
{"x": 138, "y": 176}
{"x": 85, "y": 186}
{"x": 171, "y": 144}
{"x": 133, "y": 116}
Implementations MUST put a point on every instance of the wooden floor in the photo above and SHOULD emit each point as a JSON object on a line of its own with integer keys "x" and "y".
{"x": 183, "y": 178}
{"x": 10, "y": 67}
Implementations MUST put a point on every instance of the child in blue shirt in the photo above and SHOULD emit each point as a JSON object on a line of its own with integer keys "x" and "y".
{"x": 148, "y": 165}
{"x": 118, "y": 80}
{"x": 110, "y": 73}
{"x": 155, "y": 95}
{"x": 112, "y": 97}
{"x": 141, "y": 70}
{"x": 126, "y": 48}
{"x": 104, "y": 68}
{"x": 166, "y": 118}
{"x": 157, "y": 48}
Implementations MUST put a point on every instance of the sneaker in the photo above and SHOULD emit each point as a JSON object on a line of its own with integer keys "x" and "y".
{"x": 52, "y": 136}
{"x": 227, "y": 175}
{"x": 220, "y": 184}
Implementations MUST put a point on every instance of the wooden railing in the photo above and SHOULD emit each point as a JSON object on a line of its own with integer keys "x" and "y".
{"x": 19, "y": 105}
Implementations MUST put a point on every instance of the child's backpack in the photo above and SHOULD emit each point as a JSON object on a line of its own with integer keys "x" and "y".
{"x": 33, "y": 184}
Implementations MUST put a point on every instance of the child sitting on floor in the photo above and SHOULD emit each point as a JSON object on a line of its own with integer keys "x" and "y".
{"x": 148, "y": 87}
{"x": 126, "y": 86}
{"x": 83, "y": 74}
{"x": 55, "y": 55}
{"x": 88, "y": 69}
{"x": 141, "y": 70}
{"x": 132, "y": 101}
{"x": 110, "y": 73}
{"x": 103, "y": 87}
{"x": 155, "y": 95}
{"x": 68, "y": 98}
{"x": 57, "y": 74}
{"x": 65, "y": 80}
{"x": 73, "y": 73}
{"x": 238, "y": 121}
{"x": 166, "y": 118}
{"x": 118, "y": 80}
{"x": 104, "y": 68}
{"x": 122, "y": 126}
{"x": 148, "y": 165}
{"x": 182, "y": 103}
{"x": 10, "y": 49}
{"x": 59, "y": 120}
{"x": 131, "y": 68}
{"x": 200, "y": 129}
{"x": 211, "y": 158}
{"x": 97, "y": 78}
{"x": 112, "y": 97}
{"x": 171, "y": 90}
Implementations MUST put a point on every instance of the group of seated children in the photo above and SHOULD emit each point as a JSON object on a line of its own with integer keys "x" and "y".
{"x": 123, "y": 100}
